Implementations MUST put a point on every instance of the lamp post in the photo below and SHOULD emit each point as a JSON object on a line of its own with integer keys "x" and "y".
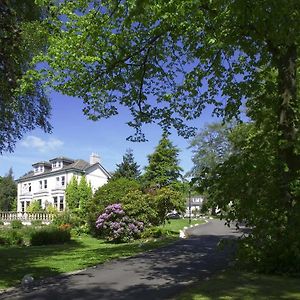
{"x": 190, "y": 207}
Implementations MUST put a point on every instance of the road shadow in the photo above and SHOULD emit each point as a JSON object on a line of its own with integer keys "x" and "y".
{"x": 161, "y": 273}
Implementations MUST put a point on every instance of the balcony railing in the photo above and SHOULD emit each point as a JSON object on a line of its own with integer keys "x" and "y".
{"x": 7, "y": 216}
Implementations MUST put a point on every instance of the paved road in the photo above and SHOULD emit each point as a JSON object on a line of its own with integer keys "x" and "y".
{"x": 158, "y": 274}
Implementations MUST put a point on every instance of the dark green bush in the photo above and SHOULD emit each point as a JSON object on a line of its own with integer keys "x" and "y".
{"x": 66, "y": 217}
{"x": 152, "y": 232}
{"x": 1, "y": 223}
{"x": 16, "y": 224}
{"x": 37, "y": 223}
{"x": 11, "y": 237}
{"x": 49, "y": 235}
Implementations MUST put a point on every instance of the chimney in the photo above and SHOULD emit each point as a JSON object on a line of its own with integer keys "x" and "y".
{"x": 94, "y": 158}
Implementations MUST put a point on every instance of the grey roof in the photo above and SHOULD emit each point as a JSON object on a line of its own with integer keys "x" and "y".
{"x": 78, "y": 165}
{"x": 63, "y": 158}
{"x": 46, "y": 163}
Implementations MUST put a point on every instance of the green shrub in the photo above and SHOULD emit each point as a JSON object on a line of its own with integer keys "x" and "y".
{"x": 66, "y": 217}
{"x": 36, "y": 222}
{"x": 49, "y": 235}
{"x": 16, "y": 224}
{"x": 1, "y": 223}
{"x": 11, "y": 237}
{"x": 34, "y": 207}
{"x": 152, "y": 232}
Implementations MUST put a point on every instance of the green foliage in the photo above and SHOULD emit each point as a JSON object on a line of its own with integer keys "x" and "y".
{"x": 210, "y": 147}
{"x": 50, "y": 235}
{"x": 246, "y": 189}
{"x": 37, "y": 223}
{"x": 85, "y": 195}
{"x": 167, "y": 200}
{"x": 67, "y": 217}
{"x": 112, "y": 192}
{"x": 78, "y": 196}
{"x": 107, "y": 194}
{"x": 72, "y": 195}
{"x": 34, "y": 207}
{"x": 16, "y": 224}
{"x": 11, "y": 237}
{"x": 141, "y": 207}
{"x": 8, "y": 191}
{"x": 21, "y": 37}
{"x": 51, "y": 209}
{"x": 163, "y": 168}
{"x": 185, "y": 55}
{"x": 152, "y": 232}
{"x": 128, "y": 168}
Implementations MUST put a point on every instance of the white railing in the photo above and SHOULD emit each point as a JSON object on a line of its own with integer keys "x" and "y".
{"x": 7, "y": 216}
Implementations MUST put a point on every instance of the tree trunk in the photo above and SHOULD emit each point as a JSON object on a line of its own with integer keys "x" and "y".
{"x": 288, "y": 123}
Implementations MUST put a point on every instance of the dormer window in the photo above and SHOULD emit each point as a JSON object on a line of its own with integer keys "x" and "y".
{"x": 57, "y": 165}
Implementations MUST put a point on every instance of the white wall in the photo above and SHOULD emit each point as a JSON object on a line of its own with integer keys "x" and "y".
{"x": 96, "y": 177}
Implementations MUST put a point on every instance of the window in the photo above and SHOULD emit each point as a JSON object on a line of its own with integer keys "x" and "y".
{"x": 40, "y": 202}
{"x": 22, "y": 206}
{"x": 29, "y": 187}
{"x": 41, "y": 184}
{"x": 62, "y": 180}
{"x": 55, "y": 202}
{"x": 45, "y": 184}
{"x": 27, "y": 204}
{"x": 61, "y": 203}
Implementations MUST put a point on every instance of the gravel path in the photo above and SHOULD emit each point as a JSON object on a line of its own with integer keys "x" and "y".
{"x": 158, "y": 274}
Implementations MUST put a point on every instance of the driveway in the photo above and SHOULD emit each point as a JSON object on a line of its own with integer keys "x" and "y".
{"x": 158, "y": 274}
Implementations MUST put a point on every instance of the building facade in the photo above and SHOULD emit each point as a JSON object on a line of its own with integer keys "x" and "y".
{"x": 47, "y": 181}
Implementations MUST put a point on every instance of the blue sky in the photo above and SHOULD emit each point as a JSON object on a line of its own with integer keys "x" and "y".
{"x": 76, "y": 137}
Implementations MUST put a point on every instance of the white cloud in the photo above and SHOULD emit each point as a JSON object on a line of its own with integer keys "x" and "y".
{"x": 41, "y": 145}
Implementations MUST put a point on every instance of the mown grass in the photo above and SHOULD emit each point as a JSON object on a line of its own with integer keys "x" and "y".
{"x": 175, "y": 225}
{"x": 50, "y": 260}
{"x": 81, "y": 252}
{"x": 240, "y": 285}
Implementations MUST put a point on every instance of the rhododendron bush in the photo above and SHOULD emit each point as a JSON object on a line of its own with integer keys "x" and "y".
{"x": 114, "y": 225}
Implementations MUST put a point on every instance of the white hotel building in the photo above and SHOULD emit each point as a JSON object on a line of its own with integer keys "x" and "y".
{"x": 47, "y": 181}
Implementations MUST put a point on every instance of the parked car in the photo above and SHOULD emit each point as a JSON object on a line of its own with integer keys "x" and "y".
{"x": 173, "y": 215}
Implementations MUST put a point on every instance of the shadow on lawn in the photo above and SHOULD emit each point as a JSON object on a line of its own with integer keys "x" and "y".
{"x": 18, "y": 261}
{"x": 159, "y": 274}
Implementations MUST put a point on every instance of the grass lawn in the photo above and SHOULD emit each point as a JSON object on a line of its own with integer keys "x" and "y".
{"x": 51, "y": 260}
{"x": 81, "y": 252}
{"x": 175, "y": 225}
{"x": 232, "y": 285}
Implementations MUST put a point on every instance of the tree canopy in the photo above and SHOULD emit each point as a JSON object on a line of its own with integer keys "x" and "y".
{"x": 163, "y": 168}
{"x": 8, "y": 191}
{"x": 21, "y": 38}
{"x": 167, "y": 60}
{"x": 128, "y": 168}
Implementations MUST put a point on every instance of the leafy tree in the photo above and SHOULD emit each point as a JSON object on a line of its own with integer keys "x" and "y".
{"x": 34, "y": 207}
{"x": 128, "y": 168}
{"x": 163, "y": 168}
{"x": 85, "y": 194}
{"x": 210, "y": 147}
{"x": 21, "y": 36}
{"x": 8, "y": 191}
{"x": 72, "y": 195}
{"x": 186, "y": 55}
{"x": 167, "y": 200}
{"x": 112, "y": 192}
{"x": 141, "y": 207}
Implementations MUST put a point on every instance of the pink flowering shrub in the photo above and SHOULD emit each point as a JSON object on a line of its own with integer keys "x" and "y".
{"x": 115, "y": 226}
